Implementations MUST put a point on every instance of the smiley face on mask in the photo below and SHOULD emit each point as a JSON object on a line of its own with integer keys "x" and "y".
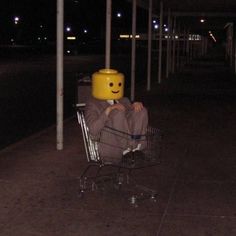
{"x": 107, "y": 84}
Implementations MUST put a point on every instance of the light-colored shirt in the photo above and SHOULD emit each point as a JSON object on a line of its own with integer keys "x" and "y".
{"x": 111, "y": 102}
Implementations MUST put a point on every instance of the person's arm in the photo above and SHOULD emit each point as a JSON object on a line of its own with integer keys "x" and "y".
{"x": 95, "y": 118}
{"x": 136, "y": 106}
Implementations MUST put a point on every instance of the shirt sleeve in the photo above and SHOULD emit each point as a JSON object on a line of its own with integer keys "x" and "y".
{"x": 95, "y": 118}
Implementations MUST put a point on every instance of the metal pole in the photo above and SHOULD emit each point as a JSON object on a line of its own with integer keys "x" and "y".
{"x": 160, "y": 43}
{"x": 171, "y": 44}
{"x": 149, "y": 46}
{"x": 108, "y": 34}
{"x": 202, "y": 45}
{"x": 168, "y": 46}
{"x": 184, "y": 46}
{"x": 133, "y": 55}
{"x": 231, "y": 44}
{"x": 60, "y": 65}
{"x": 174, "y": 46}
{"x": 178, "y": 48}
{"x": 187, "y": 48}
{"x": 234, "y": 55}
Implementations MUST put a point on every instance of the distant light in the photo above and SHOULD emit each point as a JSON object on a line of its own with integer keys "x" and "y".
{"x": 41, "y": 26}
{"x": 68, "y": 51}
{"x": 164, "y": 25}
{"x": 194, "y": 37}
{"x": 202, "y": 20}
{"x": 39, "y": 38}
{"x": 156, "y": 26}
{"x": 16, "y": 20}
{"x": 176, "y": 36}
{"x": 154, "y": 21}
{"x": 212, "y": 36}
{"x": 12, "y": 40}
{"x": 85, "y": 31}
{"x": 71, "y": 38}
{"x": 119, "y": 15}
{"x": 166, "y": 29}
{"x": 68, "y": 29}
{"x": 126, "y": 36}
{"x": 137, "y": 36}
{"x": 45, "y": 38}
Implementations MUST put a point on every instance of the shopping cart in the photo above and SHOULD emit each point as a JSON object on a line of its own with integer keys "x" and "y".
{"x": 96, "y": 175}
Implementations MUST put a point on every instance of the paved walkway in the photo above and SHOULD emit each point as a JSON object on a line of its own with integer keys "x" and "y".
{"x": 196, "y": 181}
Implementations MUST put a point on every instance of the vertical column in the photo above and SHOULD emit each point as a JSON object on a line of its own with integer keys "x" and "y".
{"x": 133, "y": 51}
{"x": 234, "y": 52}
{"x": 160, "y": 43}
{"x": 202, "y": 45}
{"x": 168, "y": 45}
{"x": 174, "y": 45}
{"x": 60, "y": 71}
{"x": 149, "y": 46}
{"x": 231, "y": 44}
{"x": 108, "y": 34}
{"x": 187, "y": 48}
{"x": 178, "y": 49}
{"x": 206, "y": 46}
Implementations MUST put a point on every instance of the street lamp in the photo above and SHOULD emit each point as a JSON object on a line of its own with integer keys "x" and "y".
{"x": 118, "y": 14}
{"x": 16, "y": 20}
{"x": 68, "y": 29}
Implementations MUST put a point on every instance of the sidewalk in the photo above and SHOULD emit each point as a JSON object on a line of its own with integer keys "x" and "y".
{"x": 196, "y": 181}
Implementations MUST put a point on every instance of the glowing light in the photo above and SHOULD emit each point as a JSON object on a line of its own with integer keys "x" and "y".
{"x": 119, "y": 15}
{"x": 68, "y": 29}
{"x": 212, "y": 36}
{"x": 16, "y": 20}
{"x": 194, "y": 37}
{"x": 85, "y": 31}
{"x": 156, "y": 26}
{"x": 202, "y": 20}
{"x": 71, "y": 38}
{"x": 126, "y": 36}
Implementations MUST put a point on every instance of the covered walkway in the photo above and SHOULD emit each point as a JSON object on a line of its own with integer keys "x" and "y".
{"x": 196, "y": 181}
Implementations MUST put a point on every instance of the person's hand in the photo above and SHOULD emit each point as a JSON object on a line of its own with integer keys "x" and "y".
{"x": 117, "y": 106}
{"x": 137, "y": 106}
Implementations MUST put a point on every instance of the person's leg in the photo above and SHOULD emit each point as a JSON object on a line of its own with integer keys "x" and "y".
{"x": 138, "y": 122}
{"x": 114, "y": 138}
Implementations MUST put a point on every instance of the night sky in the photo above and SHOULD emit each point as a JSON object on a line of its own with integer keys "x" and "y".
{"x": 38, "y": 18}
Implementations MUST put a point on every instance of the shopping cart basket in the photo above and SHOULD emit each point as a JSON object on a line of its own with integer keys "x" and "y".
{"x": 95, "y": 174}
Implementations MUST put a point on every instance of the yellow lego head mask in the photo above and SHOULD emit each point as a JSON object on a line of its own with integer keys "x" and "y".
{"x": 107, "y": 84}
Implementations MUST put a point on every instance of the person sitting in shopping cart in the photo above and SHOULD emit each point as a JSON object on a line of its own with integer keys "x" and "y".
{"x": 118, "y": 125}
